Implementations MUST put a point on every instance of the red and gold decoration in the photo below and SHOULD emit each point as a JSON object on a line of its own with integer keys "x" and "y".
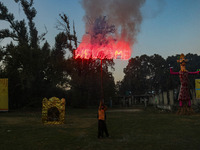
{"x": 184, "y": 93}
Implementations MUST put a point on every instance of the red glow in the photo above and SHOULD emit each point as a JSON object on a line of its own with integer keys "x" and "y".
{"x": 113, "y": 50}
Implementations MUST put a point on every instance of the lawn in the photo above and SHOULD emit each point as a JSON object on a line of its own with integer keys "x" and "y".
{"x": 129, "y": 129}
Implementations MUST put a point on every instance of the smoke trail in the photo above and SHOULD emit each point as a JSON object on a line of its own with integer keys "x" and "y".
{"x": 153, "y": 8}
{"x": 124, "y": 14}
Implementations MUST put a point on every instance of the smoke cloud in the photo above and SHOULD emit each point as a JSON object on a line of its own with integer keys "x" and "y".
{"x": 125, "y": 15}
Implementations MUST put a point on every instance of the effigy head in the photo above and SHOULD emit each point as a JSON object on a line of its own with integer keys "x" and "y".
{"x": 182, "y": 60}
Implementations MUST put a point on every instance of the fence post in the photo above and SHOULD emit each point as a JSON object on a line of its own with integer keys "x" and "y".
{"x": 160, "y": 99}
{"x": 165, "y": 98}
{"x": 171, "y": 98}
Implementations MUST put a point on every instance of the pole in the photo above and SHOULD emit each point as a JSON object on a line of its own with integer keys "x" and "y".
{"x": 102, "y": 96}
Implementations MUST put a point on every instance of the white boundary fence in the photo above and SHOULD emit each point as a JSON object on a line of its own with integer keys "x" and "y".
{"x": 166, "y": 100}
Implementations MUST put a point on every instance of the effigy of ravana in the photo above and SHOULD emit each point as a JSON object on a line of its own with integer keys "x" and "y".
{"x": 184, "y": 93}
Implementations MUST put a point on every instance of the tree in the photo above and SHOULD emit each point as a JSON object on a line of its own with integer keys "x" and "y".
{"x": 85, "y": 75}
{"x": 137, "y": 75}
{"x": 158, "y": 73}
{"x": 192, "y": 65}
{"x": 172, "y": 81}
{"x": 144, "y": 74}
{"x": 151, "y": 73}
{"x": 26, "y": 64}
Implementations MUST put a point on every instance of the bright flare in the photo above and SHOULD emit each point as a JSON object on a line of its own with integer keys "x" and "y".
{"x": 113, "y": 50}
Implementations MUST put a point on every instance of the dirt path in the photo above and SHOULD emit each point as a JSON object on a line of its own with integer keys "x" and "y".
{"x": 125, "y": 110}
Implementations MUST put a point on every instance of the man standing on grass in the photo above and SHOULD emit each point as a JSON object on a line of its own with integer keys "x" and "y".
{"x": 102, "y": 120}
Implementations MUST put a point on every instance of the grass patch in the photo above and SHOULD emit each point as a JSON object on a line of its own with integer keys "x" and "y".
{"x": 144, "y": 130}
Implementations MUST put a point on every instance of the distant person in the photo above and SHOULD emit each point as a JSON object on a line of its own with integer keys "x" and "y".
{"x": 102, "y": 120}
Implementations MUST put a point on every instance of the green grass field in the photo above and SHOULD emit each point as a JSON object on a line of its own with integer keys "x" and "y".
{"x": 135, "y": 130}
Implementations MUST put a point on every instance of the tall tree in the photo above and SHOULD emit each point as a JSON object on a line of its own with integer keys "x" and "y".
{"x": 85, "y": 75}
{"x": 24, "y": 62}
{"x": 151, "y": 73}
{"x": 136, "y": 75}
{"x": 158, "y": 73}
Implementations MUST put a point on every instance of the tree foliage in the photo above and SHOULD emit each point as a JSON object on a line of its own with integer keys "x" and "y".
{"x": 36, "y": 70}
{"x": 28, "y": 66}
{"x": 147, "y": 74}
{"x": 85, "y": 75}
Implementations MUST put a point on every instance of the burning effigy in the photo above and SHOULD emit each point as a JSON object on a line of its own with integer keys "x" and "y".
{"x": 53, "y": 110}
{"x": 184, "y": 93}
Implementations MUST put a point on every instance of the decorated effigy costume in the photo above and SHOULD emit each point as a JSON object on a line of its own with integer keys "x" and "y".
{"x": 184, "y": 93}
